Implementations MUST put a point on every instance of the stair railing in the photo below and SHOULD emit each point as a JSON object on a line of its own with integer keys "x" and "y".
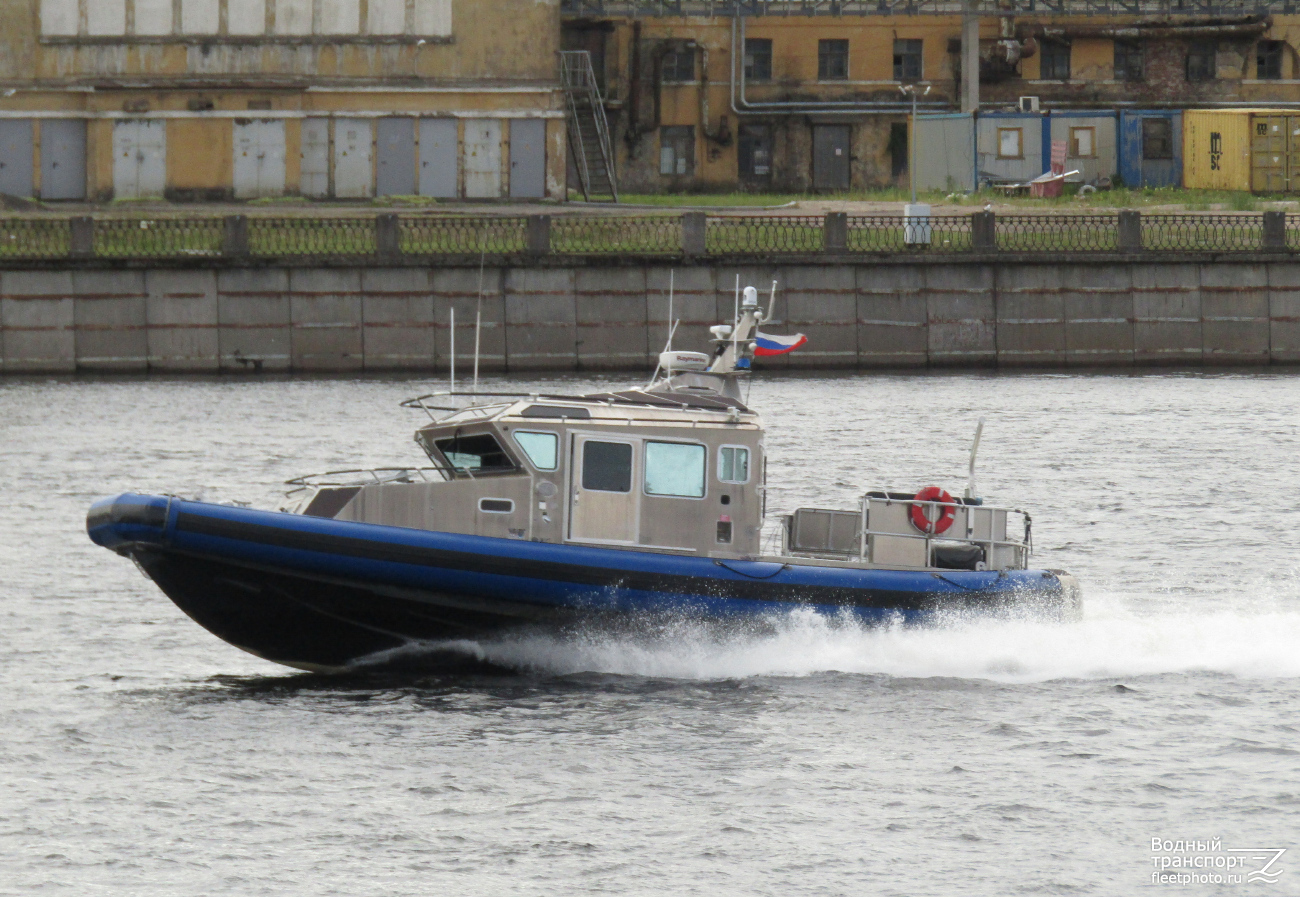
{"x": 579, "y": 80}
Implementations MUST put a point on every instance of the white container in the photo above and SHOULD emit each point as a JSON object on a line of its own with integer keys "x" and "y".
{"x": 916, "y": 224}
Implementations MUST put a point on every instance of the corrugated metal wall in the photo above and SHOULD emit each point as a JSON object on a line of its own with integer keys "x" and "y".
{"x": 1216, "y": 149}
{"x": 995, "y": 164}
{"x": 1141, "y": 165}
{"x": 945, "y": 152}
{"x": 1077, "y": 129}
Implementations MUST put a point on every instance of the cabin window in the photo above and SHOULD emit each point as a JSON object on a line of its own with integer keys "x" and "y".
{"x": 733, "y": 464}
{"x": 1011, "y": 143}
{"x": 496, "y": 505}
{"x": 479, "y": 453}
{"x": 1083, "y": 143}
{"x": 607, "y": 466}
{"x": 674, "y": 468}
{"x": 542, "y": 449}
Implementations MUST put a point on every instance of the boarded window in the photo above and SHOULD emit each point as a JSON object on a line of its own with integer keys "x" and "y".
{"x": 541, "y": 448}
{"x": 1056, "y": 62}
{"x": 1083, "y": 143}
{"x": 674, "y": 468}
{"x": 758, "y": 59}
{"x": 1268, "y": 59}
{"x": 607, "y": 466}
{"x": 1200, "y": 61}
{"x": 679, "y": 65}
{"x": 733, "y": 464}
{"x": 1130, "y": 62}
{"x": 907, "y": 60}
{"x": 1157, "y": 138}
{"x": 1011, "y": 143}
{"x": 677, "y": 150}
{"x": 832, "y": 60}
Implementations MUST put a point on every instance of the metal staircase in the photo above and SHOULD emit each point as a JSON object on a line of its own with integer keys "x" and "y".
{"x": 589, "y": 143}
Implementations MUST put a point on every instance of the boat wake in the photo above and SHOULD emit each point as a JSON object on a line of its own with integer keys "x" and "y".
{"x": 1112, "y": 641}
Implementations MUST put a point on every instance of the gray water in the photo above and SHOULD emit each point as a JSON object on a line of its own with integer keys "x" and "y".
{"x": 140, "y": 755}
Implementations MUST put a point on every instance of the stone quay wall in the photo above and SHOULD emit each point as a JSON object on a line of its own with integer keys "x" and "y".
{"x": 603, "y": 314}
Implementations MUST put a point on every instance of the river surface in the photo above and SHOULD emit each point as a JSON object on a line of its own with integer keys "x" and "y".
{"x": 140, "y": 755}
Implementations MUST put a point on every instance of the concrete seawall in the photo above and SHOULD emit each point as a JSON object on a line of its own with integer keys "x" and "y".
{"x": 611, "y": 315}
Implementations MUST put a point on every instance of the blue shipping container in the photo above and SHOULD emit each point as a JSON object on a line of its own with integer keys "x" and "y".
{"x": 1151, "y": 148}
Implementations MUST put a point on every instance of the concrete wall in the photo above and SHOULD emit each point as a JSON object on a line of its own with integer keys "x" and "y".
{"x": 614, "y": 317}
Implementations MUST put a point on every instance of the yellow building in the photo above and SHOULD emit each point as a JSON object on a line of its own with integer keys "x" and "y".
{"x": 788, "y": 96}
{"x": 220, "y": 99}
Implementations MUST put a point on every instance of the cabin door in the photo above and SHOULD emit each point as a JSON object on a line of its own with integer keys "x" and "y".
{"x": 604, "y": 494}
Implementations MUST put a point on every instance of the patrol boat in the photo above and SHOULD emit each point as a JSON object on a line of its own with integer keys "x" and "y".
{"x": 557, "y": 511}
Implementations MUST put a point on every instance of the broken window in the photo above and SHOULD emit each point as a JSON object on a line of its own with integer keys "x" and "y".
{"x": 677, "y": 150}
{"x": 1083, "y": 143}
{"x": 758, "y": 59}
{"x": 1055, "y": 65}
{"x": 679, "y": 65}
{"x": 1200, "y": 61}
{"x": 832, "y": 60}
{"x": 1157, "y": 138}
{"x": 479, "y": 453}
{"x": 907, "y": 60}
{"x": 1129, "y": 62}
{"x": 1268, "y": 59}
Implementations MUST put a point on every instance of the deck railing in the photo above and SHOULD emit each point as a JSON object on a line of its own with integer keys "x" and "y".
{"x": 390, "y": 238}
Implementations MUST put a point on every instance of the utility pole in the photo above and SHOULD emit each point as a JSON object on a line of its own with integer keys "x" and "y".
{"x": 970, "y": 57}
{"x": 916, "y": 216}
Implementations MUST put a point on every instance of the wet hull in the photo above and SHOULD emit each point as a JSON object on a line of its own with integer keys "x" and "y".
{"x": 321, "y": 594}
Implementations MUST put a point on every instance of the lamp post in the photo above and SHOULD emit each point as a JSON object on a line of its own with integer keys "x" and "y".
{"x": 916, "y": 216}
{"x": 909, "y": 90}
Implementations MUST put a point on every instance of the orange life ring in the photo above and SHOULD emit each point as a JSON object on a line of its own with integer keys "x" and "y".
{"x": 947, "y": 511}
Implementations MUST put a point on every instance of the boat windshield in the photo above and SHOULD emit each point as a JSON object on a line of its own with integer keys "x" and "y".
{"x": 478, "y": 453}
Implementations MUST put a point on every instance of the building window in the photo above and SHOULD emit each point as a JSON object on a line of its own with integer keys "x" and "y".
{"x": 1157, "y": 138}
{"x": 907, "y": 60}
{"x": 1056, "y": 62}
{"x": 679, "y": 65}
{"x": 1200, "y": 61}
{"x": 1011, "y": 143}
{"x": 1268, "y": 59}
{"x": 1083, "y": 143}
{"x": 758, "y": 59}
{"x": 677, "y": 150}
{"x": 832, "y": 60}
{"x": 1129, "y": 62}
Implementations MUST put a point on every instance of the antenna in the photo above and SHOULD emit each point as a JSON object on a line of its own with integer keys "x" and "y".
{"x": 975, "y": 447}
{"x": 453, "y": 349}
{"x": 671, "y": 274}
{"x": 478, "y": 313}
{"x": 771, "y": 304}
{"x": 736, "y": 320}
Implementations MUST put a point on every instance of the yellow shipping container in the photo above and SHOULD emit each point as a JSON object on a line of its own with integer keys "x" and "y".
{"x": 1216, "y": 148}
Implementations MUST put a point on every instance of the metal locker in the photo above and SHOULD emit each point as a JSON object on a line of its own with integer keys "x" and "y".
{"x": 16, "y": 152}
{"x": 831, "y": 157}
{"x": 439, "y": 157}
{"x": 63, "y": 158}
{"x": 314, "y": 153}
{"x": 482, "y": 158}
{"x": 353, "y": 158}
{"x": 139, "y": 158}
{"x": 259, "y": 158}
{"x": 395, "y": 172}
{"x": 527, "y": 158}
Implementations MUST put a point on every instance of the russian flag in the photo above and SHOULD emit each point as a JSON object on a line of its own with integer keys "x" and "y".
{"x": 766, "y": 344}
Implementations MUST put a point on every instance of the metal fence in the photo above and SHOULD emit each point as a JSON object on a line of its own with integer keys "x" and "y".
{"x": 389, "y": 238}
